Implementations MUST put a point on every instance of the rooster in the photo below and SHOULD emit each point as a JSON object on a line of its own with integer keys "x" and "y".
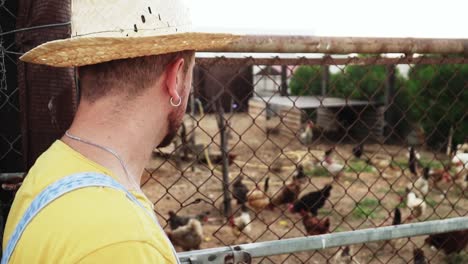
{"x": 315, "y": 226}
{"x": 289, "y": 192}
{"x": 345, "y": 256}
{"x": 241, "y": 224}
{"x": 239, "y": 190}
{"x": 258, "y": 199}
{"x": 307, "y": 136}
{"x": 451, "y": 242}
{"x": 217, "y": 159}
{"x": 188, "y": 237}
{"x": 418, "y": 256}
{"x": 311, "y": 202}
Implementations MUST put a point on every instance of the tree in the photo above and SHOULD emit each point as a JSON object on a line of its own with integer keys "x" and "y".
{"x": 359, "y": 82}
{"x": 306, "y": 80}
{"x": 440, "y": 101}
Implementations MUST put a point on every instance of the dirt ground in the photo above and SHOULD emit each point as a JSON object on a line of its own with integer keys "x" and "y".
{"x": 377, "y": 192}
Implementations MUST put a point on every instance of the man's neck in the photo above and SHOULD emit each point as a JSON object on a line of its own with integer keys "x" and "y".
{"x": 131, "y": 132}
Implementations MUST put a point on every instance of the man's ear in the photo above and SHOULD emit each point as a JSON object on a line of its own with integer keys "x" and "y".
{"x": 174, "y": 74}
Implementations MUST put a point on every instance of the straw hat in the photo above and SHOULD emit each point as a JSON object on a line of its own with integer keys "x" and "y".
{"x": 105, "y": 30}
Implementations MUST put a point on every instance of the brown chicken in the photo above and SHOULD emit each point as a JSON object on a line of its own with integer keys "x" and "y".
{"x": 315, "y": 226}
{"x": 451, "y": 242}
{"x": 258, "y": 199}
{"x": 289, "y": 192}
{"x": 188, "y": 237}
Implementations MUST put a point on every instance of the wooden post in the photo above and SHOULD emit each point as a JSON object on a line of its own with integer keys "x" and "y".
{"x": 224, "y": 154}
{"x": 284, "y": 81}
{"x": 449, "y": 142}
{"x": 325, "y": 79}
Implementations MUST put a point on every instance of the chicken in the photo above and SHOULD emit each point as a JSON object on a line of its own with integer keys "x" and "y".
{"x": 345, "y": 256}
{"x": 175, "y": 221}
{"x": 438, "y": 175}
{"x": 460, "y": 157}
{"x": 241, "y": 224}
{"x": 289, "y": 192}
{"x": 188, "y": 237}
{"x": 331, "y": 166}
{"x": 258, "y": 199}
{"x": 416, "y": 205}
{"x": 239, "y": 190}
{"x": 396, "y": 221}
{"x": 358, "y": 150}
{"x": 418, "y": 256}
{"x": 315, "y": 226}
{"x": 306, "y": 137}
{"x": 311, "y": 202}
{"x": 451, "y": 242}
{"x": 413, "y": 161}
{"x": 421, "y": 185}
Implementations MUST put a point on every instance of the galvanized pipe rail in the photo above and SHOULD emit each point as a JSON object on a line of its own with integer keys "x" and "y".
{"x": 287, "y": 246}
{"x": 341, "y": 45}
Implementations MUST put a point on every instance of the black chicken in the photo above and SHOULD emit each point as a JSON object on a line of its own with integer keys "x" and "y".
{"x": 418, "y": 256}
{"x": 397, "y": 217}
{"x": 239, "y": 190}
{"x": 312, "y": 201}
{"x": 358, "y": 150}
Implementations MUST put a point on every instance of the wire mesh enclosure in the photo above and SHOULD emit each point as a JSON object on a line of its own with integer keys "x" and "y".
{"x": 284, "y": 147}
{"x": 279, "y": 147}
{"x": 10, "y": 133}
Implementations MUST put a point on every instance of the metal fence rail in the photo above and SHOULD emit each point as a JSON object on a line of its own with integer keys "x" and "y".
{"x": 294, "y": 245}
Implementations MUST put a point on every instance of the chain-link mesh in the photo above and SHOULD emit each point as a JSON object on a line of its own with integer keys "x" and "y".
{"x": 284, "y": 147}
{"x": 387, "y": 134}
{"x": 10, "y": 134}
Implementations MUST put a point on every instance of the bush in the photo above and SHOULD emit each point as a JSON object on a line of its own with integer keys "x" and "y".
{"x": 307, "y": 80}
{"x": 440, "y": 99}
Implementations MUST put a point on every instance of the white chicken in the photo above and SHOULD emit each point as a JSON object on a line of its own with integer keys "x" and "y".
{"x": 241, "y": 224}
{"x": 416, "y": 205}
{"x": 421, "y": 185}
{"x": 329, "y": 164}
{"x": 307, "y": 136}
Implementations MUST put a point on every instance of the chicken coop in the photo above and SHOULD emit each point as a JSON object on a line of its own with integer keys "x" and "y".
{"x": 359, "y": 119}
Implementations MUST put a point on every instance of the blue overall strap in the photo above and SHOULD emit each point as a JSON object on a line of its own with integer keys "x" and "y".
{"x": 58, "y": 189}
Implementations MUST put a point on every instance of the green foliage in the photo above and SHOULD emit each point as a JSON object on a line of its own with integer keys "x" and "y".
{"x": 319, "y": 171}
{"x": 367, "y": 208}
{"x": 440, "y": 95}
{"x": 307, "y": 80}
{"x": 359, "y": 82}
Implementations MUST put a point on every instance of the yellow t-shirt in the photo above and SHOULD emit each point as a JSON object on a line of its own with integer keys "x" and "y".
{"x": 90, "y": 225}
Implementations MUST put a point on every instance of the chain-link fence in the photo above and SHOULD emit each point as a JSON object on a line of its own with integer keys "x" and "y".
{"x": 343, "y": 142}
{"x": 10, "y": 133}
{"x": 282, "y": 147}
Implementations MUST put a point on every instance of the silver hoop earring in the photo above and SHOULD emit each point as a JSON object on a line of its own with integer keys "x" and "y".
{"x": 172, "y": 102}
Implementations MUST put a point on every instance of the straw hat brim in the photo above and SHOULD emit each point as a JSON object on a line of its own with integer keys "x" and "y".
{"x": 82, "y": 51}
